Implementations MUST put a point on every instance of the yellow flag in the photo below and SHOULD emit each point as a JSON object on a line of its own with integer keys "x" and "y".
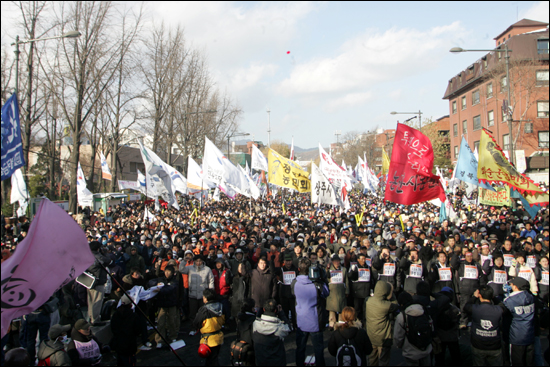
{"x": 285, "y": 173}
{"x": 494, "y": 167}
{"x": 385, "y": 162}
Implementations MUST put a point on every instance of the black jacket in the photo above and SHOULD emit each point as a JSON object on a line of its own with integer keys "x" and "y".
{"x": 357, "y": 337}
{"x": 485, "y": 331}
{"x": 244, "y": 326}
{"x": 97, "y": 270}
{"x": 361, "y": 289}
{"x": 125, "y": 327}
{"x": 284, "y": 289}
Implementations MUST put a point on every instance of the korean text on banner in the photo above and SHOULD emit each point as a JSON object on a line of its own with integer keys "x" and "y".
{"x": 55, "y": 246}
{"x": 12, "y": 147}
{"x": 499, "y": 197}
{"x": 105, "y": 171}
{"x": 410, "y": 179}
{"x": 285, "y": 173}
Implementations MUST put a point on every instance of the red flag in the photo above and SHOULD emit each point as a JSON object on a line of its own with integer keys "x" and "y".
{"x": 410, "y": 178}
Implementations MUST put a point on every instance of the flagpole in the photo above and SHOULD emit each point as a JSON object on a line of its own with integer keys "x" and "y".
{"x": 143, "y": 313}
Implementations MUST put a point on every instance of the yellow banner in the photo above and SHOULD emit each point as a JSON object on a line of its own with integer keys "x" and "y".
{"x": 500, "y": 197}
{"x": 494, "y": 167}
{"x": 385, "y": 162}
{"x": 285, "y": 173}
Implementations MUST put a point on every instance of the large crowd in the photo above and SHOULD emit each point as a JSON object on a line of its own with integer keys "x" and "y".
{"x": 376, "y": 275}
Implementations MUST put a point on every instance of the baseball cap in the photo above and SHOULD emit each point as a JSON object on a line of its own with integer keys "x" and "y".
{"x": 520, "y": 283}
{"x": 82, "y": 325}
{"x": 57, "y": 329}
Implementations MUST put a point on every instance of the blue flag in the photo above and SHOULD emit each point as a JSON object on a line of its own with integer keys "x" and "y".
{"x": 442, "y": 213}
{"x": 532, "y": 210}
{"x": 12, "y": 147}
{"x": 466, "y": 166}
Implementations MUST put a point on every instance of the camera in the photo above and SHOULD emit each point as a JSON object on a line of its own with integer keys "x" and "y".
{"x": 317, "y": 273}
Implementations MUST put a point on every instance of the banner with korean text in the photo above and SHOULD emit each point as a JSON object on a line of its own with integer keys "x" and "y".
{"x": 499, "y": 197}
{"x": 285, "y": 173}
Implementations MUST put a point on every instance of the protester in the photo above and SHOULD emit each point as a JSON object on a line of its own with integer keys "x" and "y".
{"x": 84, "y": 348}
{"x": 270, "y": 330}
{"x": 97, "y": 292}
{"x": 338, "y": 289}
{"x": 209, "y": 322}
{"x": 262, "y": 282}
{"x": 125, "y": 327}
{"x": 349, "y": 340}
{"x": 447, "y": 332}
{"x": 52, "y": 352}
{"x": 245, "y": 322}
{"x": 167, "y": 301}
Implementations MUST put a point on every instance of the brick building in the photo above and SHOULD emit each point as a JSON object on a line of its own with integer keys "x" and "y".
{"x": 477, "y": 94}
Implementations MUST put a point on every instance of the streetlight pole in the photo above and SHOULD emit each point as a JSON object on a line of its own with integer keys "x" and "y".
{"x": 419, "y": 113}
{"x": 509, "y": 112}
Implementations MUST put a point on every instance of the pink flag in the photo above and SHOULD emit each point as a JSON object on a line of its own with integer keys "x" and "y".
{"x": 54, "y": 252}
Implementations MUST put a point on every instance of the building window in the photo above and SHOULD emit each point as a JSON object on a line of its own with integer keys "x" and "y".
{"x": 464, "y": 127}
{"x": 456, "y": 151}
{"x": 490, "y": 118}
{"x": 543, "y": 139}
{"x": 476, "y": 145}
{"x": 503, "y": 84}
{"x": 489, "y": 90}
{"x": 528, "y": 128}
{"x": 485, "y": 64}
{"x": 464, "y": 102}
{"x": 454, "y": 106}
{"x": 475, "y": 97}
{"x": 542, "y": 77}
{"x": 505, "y": 141}
{"x": 477, "y": 122}
{"x": 542, "y": 46}
{"x": 455, "y": 130}
{"x": 542, "y": 109}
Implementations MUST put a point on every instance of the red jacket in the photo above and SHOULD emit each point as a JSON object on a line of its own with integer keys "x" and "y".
{"x": 222, "y": 283}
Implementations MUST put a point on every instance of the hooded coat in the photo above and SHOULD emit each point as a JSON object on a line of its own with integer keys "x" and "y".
{"x": 336, "y": 300}
{"x": 310, "y": 304}
{"x": 210, "y": 320}
{"x": 400, "y": 337}
{"x": 200, "y": 278}
{"x": 378, "y": 310}
{"x": 269, "y": 346}
{"x": 56, "y": 351}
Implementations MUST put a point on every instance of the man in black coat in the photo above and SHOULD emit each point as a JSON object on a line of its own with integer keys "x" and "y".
{"x": 125, "y": 327}
{"x": 97, "y": 292}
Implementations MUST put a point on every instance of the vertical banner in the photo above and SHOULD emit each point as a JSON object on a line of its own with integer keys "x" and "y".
{"x": 12, "y": 147}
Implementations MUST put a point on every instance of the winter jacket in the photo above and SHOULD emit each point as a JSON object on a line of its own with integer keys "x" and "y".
{"x": 136, "y": 261}
{"x": 378, "y": 310}
{"x": 222, "y": 282}
{"x": 169, "y": 294}
{"x": 97, "y": 270}
{"x": 245, "y": 320}
{"x": 310, "y": 304}
{"x": 84, "y": 350}
{"x": 468, "y": 280}
{"x": 496, "y": 277}
{"x": 386, "y": 270}
{"x": 542, "y": 279}
{"x": 209, "y": 320}
{"x": 55, "y": 350}
{"x": 360, "y": 285}
{"x": 485, "y": 333}
{"x": 199, "y": 279}
{"x": 284, "y": 289}
{"x": 234, "y": 264}
{"x": 436, "y": 272}
{"x": 262, "y": 285}
{"x": 446, "y": 323}
{"x": 240, "y": 289}
{"x": 527, "y": 273}
{"x": 521, "y": 305}
{"x": 125, "y": 327}
{"x": 412, "y": 273}
{"x": 269, "y": 334}
{"x": 400, "y": 338}
{"x": 352, "y": 336}
{"x": 339, "y": 288}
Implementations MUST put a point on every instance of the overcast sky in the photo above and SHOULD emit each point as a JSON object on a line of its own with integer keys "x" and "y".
{"x": 321, "y": 67}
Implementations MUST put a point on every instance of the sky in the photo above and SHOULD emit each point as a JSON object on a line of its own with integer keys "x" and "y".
{"x": 334, "y": 66}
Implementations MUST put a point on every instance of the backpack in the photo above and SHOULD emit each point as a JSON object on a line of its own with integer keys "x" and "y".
{"x": 419, "y": 330}
{"x": 240, "y": 352}
{"x": 347, "y": 356}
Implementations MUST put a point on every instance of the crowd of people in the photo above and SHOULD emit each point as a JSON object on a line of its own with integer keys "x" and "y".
{"x": 377, "y": 275}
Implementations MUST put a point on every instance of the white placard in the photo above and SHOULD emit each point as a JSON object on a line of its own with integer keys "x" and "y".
{"x": 415, "y": 271}
{"x": 470, "y": 272}
{"x": 544, "y": 278}
{"x": 531, "y": 261}
{"x": 389, "y": 270}
{"x": 288, "y": 277}
{"x": 336, "y": 277}
{"x": 445, "y": 274}
{"x": 508, "y": 260}
{"x": 500, "y": 277}
{"x": 525, "y": 274}
{"x": 364, "y": 275}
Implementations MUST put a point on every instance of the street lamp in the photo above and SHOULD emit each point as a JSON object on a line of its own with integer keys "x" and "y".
{"x": 419, "y": 113}
{"x": 508, "y": 114}
{"x": 233, "y": 136}
{"x": 69, "y": 34}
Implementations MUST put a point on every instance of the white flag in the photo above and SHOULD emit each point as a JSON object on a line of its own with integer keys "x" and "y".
{"x": 195, "y": 177}
{"x": 336, "y": 174}
{"x": 322, "y": 191}
{"x": 105, "y": 171}
{"x": 19, "y": 192}
{"x": 252, "y": 189}
{"x": 129, "y": 185}
{"x": 216, "y": 196}
{"x": 158, "y": 174}
{"x": 179, "y": 182}
{"x": 259, "y": 161}
{"x": 149, "y": 215}
{"x": 218, "y": 169}
{"x": 84, "y": 196}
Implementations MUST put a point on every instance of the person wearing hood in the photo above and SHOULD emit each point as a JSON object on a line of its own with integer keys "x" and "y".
{"x": 337, "y": 276}
{"x": 310, "y": 313}
{"x": 84, "y": 348}
{"x": 262, "y": 282}
{"x": 136, "y": 261}
{"x": 269, "y": 333}
{"x": 350, "y": 331}
{"x": 52, "y": 352}
{"x": 446, "y": 330}
{"x": 125, "y": 327}
{"x": 245, "y": 321}
{"x": 378, "y": 310}
{"x": 238, "y": 259}
{"x": 167, "y": 301}
{"x": 413, "y": 355}
{"x": 209, "y": 321}
{"x": 200, "y": 278}
{"x": 240, "y": 289}
{"x": 470, "y": 279}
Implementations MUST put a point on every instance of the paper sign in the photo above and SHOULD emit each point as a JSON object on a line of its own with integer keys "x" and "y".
{"x": 288, "y": 277}
{"x": 364, "y": 275}
{"x": 389, "y": 269}
{"x": 415, "y": 271}
{"x": 336, "y": 277}
{"x": 508, "y": 260}
{"x": 445, "y": 274}
{"x": 525, "y": 274}
{"x": 470, "y": 272}
{"x": 544, "y": 278}
{"x": 499, "y": 277}
{"x": 531, "y": 261}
